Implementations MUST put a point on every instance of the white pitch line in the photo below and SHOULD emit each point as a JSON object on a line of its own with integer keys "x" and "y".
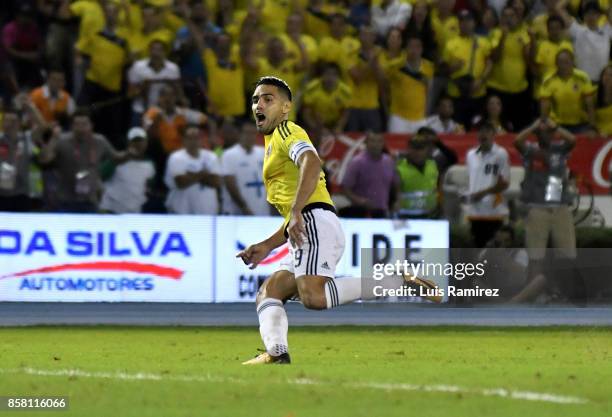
{"x": 453, "y": 389}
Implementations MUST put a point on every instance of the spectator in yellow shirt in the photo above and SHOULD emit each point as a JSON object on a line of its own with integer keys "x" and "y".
{"x": 299, "y": 46}
{"x": 366, "y": 76}
{"x": 467, "y": 57}
{"x": 548, "y": 48}
{"x": 567, "y": 96}
{"x": 603, "y": 114}
{"x": 152, "y": 29}
{"x": 420, "y": 25}
{"x": 338, "y": 47}
{"x": 277, "y": 63}
{"x": 409, "y": 87}
{"x": 105, "y": 54}
{"x": 511, "y": 50}
{"x": 394, "y": 55}
{"x": 319, "y": 18}
{"x": 444, "y": 23}
{"x": 326, "y": 101}
{"x": 539, "y": 23}
{"x": 225, "y": 70}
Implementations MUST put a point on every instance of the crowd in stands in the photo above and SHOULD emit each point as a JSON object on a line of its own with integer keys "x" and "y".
{"x": 106, "y": 105}
{"x": 123, "y": 106}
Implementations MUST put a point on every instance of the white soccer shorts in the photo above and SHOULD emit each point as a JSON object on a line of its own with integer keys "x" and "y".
{"x": 322, "y": 247}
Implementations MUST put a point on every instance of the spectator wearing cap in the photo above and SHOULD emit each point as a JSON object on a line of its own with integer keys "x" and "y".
{"x": 568, "y": 96}
{"x": 489, "y": 176}
{"x": 126, "y": 188}
{"x": 76, "y": 159}
{"x": 369, "y": 180}
{"x": 104, "y": 54}
{"x": 22, "y": 42}
{"x": 52, "y": 100}
{"x": 604, "y": 102}
{"x": 419, "y": 181}
{"x": 389, "y": 14}
{"x": 146, "y": 78}
{"x": 443, "y": 122}
{"x": 443, "y": 155}
{"x": 591, "y": 41}
{"x": 409, "y": 86}
{"x": 546, "y": 50}
{"x": 467, "y": 57}
{"x": 193, "y": 177}
{"x": 508, "y": 80}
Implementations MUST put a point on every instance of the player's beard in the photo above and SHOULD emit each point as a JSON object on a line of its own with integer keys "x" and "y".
{"x": 268, "y": 130}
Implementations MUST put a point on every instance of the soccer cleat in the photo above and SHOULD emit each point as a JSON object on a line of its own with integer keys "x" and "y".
{"x": 267, "y": 359}
{"x": 430, "y": 290}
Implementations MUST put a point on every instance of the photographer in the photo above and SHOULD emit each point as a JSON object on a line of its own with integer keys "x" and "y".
{"x": 545, "y": 192}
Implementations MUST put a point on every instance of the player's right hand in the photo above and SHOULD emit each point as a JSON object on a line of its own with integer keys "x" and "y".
{"x": 254, "y": 254}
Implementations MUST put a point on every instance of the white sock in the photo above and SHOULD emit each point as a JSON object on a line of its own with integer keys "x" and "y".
{"x": 273, "y": 326}
{"x": 342, "y": 291}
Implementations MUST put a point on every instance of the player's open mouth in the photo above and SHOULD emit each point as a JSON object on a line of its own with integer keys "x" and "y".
{"x": 260, "y": 118}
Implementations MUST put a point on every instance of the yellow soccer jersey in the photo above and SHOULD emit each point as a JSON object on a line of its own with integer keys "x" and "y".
{"x": 281, "y": 173}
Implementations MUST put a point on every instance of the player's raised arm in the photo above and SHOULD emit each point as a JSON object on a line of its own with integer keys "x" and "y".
{"x": 310, "y": 169}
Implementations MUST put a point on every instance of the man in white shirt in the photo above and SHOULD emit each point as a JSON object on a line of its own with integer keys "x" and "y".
{"x": 390, "y": 14}
{"x": 489, "y": 176}
{"x": 242, "y": 165}
{"x": 193, "y": 177}
{"x": 147, "y": 77}
{"x": 591, "y": 42}
{"x": 125, "y": 191}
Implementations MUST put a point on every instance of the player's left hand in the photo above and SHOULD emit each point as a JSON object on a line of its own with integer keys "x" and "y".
{"x": 296, "y": 229}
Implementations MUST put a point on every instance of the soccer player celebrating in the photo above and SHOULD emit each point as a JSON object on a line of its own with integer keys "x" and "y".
{"x": 295, "y": 185}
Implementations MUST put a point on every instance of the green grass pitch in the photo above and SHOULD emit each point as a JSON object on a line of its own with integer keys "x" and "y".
{"x": 336, "y": 371}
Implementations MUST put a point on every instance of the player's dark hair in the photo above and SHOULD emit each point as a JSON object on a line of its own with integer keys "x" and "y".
{"x": 278, "y": 83}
